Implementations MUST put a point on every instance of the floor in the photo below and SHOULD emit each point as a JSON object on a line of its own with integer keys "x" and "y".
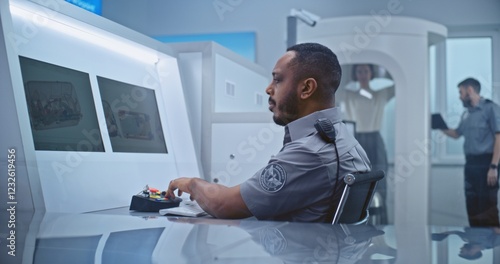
{"x": 447, "y": 199}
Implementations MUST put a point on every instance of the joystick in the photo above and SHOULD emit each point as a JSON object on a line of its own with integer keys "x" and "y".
{"x": 152, "y": 200}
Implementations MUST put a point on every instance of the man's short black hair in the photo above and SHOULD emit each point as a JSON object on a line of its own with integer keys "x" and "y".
{"x": 313, "y": 60}
{"x": 471, "y": 82}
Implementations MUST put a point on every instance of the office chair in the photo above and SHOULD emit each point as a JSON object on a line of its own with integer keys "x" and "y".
{"x": 356, "y": 197}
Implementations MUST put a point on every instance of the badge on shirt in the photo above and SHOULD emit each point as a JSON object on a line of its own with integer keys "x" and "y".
{"x": 273, "y": 177}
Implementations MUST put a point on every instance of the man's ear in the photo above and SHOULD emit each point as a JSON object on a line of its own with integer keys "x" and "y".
{"x": 470, "y": 90}
{"x": 308, "y": 88}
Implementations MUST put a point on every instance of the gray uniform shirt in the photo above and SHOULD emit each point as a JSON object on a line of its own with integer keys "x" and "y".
{"x": 478, "y": 126}
{"x": 298, "y": 183}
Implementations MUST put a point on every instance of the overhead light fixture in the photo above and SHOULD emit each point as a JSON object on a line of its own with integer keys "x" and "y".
{"x": 87, "y": 33}
{"x": 305, "y": 16}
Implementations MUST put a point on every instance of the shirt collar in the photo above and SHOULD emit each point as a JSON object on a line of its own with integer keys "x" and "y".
{"x": 305, "y": 125}
{"x": 479, "y": 105}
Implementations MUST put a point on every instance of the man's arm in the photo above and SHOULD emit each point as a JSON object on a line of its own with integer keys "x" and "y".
{"x": 217, "y": 200}
{"x": 451, "y": 133}
{"x": 492, "y": 173}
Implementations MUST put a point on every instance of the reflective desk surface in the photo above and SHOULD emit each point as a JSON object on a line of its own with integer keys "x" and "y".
{"x": 121, "y": 236}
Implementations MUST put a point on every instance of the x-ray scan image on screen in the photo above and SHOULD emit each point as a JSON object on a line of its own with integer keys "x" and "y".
{"x": 132, "y": 117}
{"x": 61, "y": 107}
{"x": 53, "y": 104}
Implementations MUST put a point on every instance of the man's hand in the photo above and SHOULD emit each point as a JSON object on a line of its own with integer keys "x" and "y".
{"x": 217, "y": 200}
{"x": 451, "y": 133}
{"x": 182, "y": 185}
{"x": 492, "y": 177}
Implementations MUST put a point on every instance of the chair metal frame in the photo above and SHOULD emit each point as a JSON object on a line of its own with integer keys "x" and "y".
{"x": 352, "y": 182}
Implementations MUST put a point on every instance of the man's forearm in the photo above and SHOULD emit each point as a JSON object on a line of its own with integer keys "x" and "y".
{"x": 496, "y": 150}
{"x": 217, "y": 200}
{"x": 451, "y": 133}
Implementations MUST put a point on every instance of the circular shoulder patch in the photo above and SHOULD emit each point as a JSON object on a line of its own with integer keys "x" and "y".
{"x": 273, "y": 177}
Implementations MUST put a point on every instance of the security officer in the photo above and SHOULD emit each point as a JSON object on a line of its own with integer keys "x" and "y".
{"x": 301, "y": 183}
{"x": 480, "y": 126}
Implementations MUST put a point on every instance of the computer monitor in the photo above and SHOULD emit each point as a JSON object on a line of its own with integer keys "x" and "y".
{"x": 61, "y": 107}
{"x": 132, "y": 117}
{"x": 82, "y": 125}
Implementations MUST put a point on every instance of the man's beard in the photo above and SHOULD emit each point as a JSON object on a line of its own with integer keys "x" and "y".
{"x": 288, "y": 109}
{"x": 467, "y": 102}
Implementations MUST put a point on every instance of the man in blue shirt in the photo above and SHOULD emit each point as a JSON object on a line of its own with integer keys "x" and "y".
{"x": 480, "y": 126}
